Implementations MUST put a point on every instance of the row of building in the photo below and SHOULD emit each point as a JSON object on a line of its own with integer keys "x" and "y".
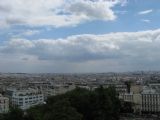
{"x": 36, "y": 94}
{"x": 145, "y": 99}
{"x": 22, "y": 99}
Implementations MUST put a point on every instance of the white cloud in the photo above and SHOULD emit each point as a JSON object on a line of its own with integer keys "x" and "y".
{"x": 146, "y": 20}
{"x": 89, "y": 47}
{"x": 30, "y": 32}
{"x": 124, "y": 2}
{"x": 121, "y": 12}
{"x": 145, "y": 12}
{"x": 54, "y": 12}
{"x": 24, "y": 33}
{"x": 118, "y": 51}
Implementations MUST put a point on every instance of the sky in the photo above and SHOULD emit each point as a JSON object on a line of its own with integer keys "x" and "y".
{"x": 79, "y": 36}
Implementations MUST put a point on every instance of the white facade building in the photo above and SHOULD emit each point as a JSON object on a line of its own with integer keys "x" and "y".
{"x": 4, "y": 104}
{"x": 25, "y": 99}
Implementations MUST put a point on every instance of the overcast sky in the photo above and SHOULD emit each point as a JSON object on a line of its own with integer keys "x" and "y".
{"x": 79, "y": 35}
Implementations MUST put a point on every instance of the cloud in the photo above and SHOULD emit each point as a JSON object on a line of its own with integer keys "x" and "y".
{"x": 124, "y": 2}
{"x": 145, "y": 12}
{"x": 89, "y": 47}
{"x": 30, "y": 32}
{"x": 25, "y": 33}
{"x": 146, "y": 20}
{"x": 107, "y": 52}
{"x": 57, "y": 13}
{"x": 122, "y": 12}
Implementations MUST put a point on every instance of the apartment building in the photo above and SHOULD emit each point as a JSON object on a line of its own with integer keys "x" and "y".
{"x": 26, "y": 98}
{"x": 4, "y": 104}
{"x": 150, "y": 101}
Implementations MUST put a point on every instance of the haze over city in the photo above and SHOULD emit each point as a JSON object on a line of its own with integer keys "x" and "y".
{"x": 79, "y": 35}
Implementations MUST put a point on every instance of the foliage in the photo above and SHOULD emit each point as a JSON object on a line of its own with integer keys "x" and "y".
{"x": 78, "y": 104}
{"x": 126, "y": 107}
{"x": 14, "y": 114}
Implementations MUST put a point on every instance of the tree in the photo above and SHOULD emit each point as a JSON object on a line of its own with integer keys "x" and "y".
{"x": 14, "y": 114}
{"x": 127, "y": 107}
{"x": 79, "y": 104}
{"x": 128, "y": 84}
{"x": 62, "y": 110}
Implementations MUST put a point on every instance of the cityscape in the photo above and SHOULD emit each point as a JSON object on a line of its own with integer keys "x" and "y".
{"x": 79, "y": 60}
{"x": 141, "y": 89}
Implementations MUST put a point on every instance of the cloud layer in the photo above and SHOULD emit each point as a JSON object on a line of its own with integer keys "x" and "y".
{"x": 55, "y": 12}
{"x": 132, "y": 45}
{"x": 117, "y": 51}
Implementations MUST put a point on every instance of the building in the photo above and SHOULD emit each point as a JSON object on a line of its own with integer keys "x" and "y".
{"x": 133, "y": 97}
{"x": 120, "y": 88}
{"x": 52, "y": 89}
{"x": 127, "y": 97}
{"x": 58, "y": 89}
{"x": 136, "y": 89}
{"x": 150, "y": 101}
{"x": 4, "y": 104}
{"x": 26, "y": 98}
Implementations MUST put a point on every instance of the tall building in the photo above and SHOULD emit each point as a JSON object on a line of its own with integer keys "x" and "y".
{"x": 4, "y": 104}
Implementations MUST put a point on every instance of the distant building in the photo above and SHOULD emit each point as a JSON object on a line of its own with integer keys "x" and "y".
{"x": 51, "y": 89}
{"x": 57, "y": 89}
{"x": 4, "y": 104}
{"x": 120, "y": 88}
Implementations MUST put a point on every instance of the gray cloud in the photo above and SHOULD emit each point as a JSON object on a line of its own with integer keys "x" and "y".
{"x": 107, "y": 52}
{"x": 4, "y": 9}
{"x": 93, "y": 10}
{"x": 90, "y": 47}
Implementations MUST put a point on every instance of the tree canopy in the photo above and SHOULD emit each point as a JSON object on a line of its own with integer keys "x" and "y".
{"x": 78, "y": 104}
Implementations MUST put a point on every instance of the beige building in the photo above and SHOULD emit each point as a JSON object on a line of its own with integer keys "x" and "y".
{"x": 136, "y": 89}
{"x": 136, "y": 99}
{"x": 4, "y": 104}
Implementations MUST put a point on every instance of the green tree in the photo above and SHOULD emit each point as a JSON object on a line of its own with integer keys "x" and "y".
{"x": 62, "y": 110}
{"x": 79, "y": 104}
{"x": 14, "y": 114}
